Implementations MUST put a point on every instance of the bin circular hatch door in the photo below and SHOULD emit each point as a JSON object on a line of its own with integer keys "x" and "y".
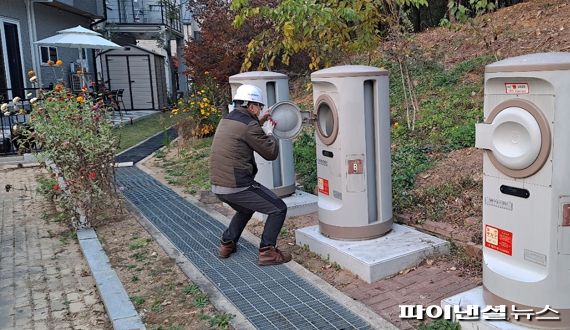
{"x": 519, "y": 141}
{"x": 327, "y": 119}
{"x": 288, "y": 117}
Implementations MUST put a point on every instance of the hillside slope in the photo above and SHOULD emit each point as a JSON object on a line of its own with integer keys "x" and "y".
{"x": 528, "y": 27}
{"x": 447, "y": 197}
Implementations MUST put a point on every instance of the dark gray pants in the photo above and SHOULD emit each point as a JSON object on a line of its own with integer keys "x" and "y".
{"x": 256, "y": 198}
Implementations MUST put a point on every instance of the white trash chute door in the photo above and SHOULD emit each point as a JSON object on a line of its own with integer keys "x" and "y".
{"x": 288, "y": 117}
{"x": 517, "y": 139}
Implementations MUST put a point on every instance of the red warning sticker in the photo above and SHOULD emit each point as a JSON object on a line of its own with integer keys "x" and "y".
{"x": 499, "y": 240}
{"x": 323, "y": 186}
{"x": 516, "y": 88}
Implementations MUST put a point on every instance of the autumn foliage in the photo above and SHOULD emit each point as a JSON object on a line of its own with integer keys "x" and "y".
{"x": 221, "y": 48}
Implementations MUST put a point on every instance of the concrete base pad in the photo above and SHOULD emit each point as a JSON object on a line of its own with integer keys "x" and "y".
{"x": 475, "y": 297}
{"x": 378, "y": 258}
{"x": 300, "y": 203}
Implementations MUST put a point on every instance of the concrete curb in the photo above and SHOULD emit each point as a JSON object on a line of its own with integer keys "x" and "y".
{"x": 117, "y": 303}
{"x": 16, "y": 161}
{"x": 375, "y": 320}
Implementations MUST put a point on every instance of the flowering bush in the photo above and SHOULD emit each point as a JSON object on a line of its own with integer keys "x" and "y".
{"x": 76, "y": 135}
{"x": 49, "y": 187}
{"x": 200, "y": 112}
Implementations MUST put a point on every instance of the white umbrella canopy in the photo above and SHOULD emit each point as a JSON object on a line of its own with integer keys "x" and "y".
{"x": 78, "y": 37}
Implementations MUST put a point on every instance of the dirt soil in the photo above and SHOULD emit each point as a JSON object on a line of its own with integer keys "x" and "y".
{"x": 161, "y": 293}
{"x": 450, "y": 200}
{"x": 528, "y": 27}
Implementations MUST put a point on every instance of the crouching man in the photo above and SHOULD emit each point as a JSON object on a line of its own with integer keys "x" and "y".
{"x": 233, "y": 169}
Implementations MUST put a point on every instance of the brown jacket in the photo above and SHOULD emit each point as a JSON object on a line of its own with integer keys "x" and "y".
{"x": 238, "y": 135}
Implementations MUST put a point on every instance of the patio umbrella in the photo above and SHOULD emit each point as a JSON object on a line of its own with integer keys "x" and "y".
{"x": 78, "y": 37}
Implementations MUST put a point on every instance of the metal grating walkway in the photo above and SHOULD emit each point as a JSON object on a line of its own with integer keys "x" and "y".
{"x": 272, "y": 297}
{"x": 139, "y": 152}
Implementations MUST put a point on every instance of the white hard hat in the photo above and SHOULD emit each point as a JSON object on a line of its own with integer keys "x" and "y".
{"x": 249, "y": 93}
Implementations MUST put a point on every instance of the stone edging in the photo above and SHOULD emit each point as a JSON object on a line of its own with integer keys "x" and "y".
{"x": 444, "y": 231}
{"x": 119, "y": 307}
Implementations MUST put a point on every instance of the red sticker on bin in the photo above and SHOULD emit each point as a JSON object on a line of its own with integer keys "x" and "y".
{"x": 323, "y": 186}
{"x": 499, "y": 240}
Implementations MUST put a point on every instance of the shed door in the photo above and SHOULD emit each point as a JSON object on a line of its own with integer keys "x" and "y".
{"x": 133, "y": 74}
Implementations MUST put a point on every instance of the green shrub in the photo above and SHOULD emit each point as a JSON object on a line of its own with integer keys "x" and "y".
{"x": 77, "y": 136}
{"x": 462, "y": 136}
{"x": 304, "y": 150}
{"x": 49, "y": 187}
{"x": 407, "y": 162}
{"x": 199, "y": 113}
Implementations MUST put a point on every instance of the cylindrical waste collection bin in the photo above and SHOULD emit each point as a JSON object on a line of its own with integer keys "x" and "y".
{"x": 526, "y": 186}
{"x": 353, "y": 151}
{"x": 277, "y": 175}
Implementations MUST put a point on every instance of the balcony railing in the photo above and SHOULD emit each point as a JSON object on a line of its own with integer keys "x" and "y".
{"x": 92, "y": 7}
{"x": 140, "y": 12}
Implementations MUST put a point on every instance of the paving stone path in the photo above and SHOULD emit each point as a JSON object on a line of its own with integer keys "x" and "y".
{"x": 425, "y": 286}
{"x": 45, "y": 282}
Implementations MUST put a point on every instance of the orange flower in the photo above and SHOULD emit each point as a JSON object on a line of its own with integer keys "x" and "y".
{"x": 80, "y": 99}
{"x": 50, "y": 63}
{"x": 59, "y": 62}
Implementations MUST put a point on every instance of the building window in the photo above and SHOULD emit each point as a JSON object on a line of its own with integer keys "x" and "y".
{"x": 48, "y": 54}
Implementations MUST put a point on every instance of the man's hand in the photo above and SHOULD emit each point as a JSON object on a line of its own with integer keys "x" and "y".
{"x": 268, "y": 126}
{"x": 264, "y": 118}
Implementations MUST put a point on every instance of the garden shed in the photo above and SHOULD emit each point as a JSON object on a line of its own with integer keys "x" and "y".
{"x": 140, "y": 73}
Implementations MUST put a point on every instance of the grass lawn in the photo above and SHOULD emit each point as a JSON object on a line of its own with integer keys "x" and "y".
{"x": 129, "y": 135}
{"x": 189, "y": 166}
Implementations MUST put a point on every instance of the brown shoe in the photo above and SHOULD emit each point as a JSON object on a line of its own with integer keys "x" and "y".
{"x": 271, "y": 255}
{"x": 227, "y": 248}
